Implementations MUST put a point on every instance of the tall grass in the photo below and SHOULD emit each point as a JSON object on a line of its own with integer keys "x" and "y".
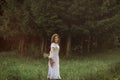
{"x": 102, "y": 66}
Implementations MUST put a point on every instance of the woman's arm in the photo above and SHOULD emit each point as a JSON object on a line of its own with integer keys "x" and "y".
{"x": 51, "y": 53}
{"x": 51, "y": 57}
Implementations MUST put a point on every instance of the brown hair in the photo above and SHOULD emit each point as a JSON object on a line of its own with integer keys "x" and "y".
{"x": 53, "y": 38}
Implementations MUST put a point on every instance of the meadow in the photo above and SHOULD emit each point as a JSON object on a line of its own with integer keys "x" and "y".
{"x": 101, "y": 66}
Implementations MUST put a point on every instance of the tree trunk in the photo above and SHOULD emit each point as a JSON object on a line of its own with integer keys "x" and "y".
{"x": 81, "y": 45}
{"x": 95, "y": 44}
{"x": 88, "y": 45}
{"x": 45, "y": 45}
{"x": 42, "y": 47}
{"x": 68, "y": 46}
{"x": 21, "y": 46}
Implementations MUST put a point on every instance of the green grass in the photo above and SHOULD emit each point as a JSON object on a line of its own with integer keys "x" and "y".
{"x": 102, "y": 66}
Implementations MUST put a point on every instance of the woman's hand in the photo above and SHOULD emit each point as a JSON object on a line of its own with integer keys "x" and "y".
{"x": 51, "y": 62}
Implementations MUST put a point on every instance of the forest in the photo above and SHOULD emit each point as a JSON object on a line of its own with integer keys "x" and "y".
{"x": 89, "y": 33}
{"x": 84, "y": 26}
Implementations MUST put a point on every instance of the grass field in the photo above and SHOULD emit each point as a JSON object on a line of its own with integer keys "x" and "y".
{"x": 102, "y": 66}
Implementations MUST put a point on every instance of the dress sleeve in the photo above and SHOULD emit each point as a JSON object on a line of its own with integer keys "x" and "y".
{"x": 52, "y": 45}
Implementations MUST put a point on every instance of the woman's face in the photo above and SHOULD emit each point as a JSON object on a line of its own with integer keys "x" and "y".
{"x": 56, "y": 39}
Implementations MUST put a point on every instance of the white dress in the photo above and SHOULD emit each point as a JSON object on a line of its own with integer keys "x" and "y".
{"x": 53, "y": 72}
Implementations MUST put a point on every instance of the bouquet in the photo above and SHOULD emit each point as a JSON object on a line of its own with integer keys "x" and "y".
{"x": 45, "y": 55}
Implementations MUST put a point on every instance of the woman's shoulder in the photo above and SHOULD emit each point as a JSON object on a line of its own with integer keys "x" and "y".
{"x": 52, "y": 44}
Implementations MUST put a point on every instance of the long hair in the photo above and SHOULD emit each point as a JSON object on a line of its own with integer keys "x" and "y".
{"x": 53, "y": 38}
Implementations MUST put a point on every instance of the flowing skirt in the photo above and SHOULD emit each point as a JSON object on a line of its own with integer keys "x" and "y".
{"x": 53, "y": 72}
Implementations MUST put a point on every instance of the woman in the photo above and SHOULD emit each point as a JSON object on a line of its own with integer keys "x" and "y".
{"x": 53, "y": 64}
